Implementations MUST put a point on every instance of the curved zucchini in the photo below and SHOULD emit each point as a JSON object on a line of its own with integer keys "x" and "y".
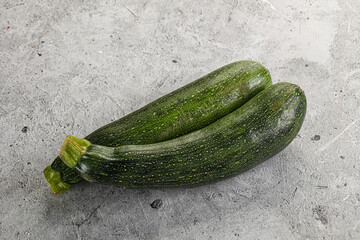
{"x": 259, "y": 129}
{"x": 187, "y": 109}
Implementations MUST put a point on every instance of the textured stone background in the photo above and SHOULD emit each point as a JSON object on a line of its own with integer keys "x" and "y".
{"x": 69, "y": 67}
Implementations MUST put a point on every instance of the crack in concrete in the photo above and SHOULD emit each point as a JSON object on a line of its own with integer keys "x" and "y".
{"x": 79, "y": 224}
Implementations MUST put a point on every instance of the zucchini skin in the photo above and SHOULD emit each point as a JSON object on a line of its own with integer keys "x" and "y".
{"x": 187, "y": 109}
{"x": 258, "y": 130}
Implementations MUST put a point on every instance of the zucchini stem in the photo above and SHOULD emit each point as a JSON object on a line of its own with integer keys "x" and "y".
{"x": 72, "y": 150}
{"x": 54, "y": 180}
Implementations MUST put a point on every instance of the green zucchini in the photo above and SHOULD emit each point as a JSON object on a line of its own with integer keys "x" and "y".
{"x": 187, "y": 109}
{"x": 258, "y": 130}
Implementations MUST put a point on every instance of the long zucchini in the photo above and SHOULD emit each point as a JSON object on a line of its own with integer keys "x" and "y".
{"x": 258, "y": 130}
{"x": 187, "y": 109}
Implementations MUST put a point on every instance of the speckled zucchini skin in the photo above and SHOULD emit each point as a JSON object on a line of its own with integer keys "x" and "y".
{"x": 258, "y": 130}
{"x": 187, "y": 109}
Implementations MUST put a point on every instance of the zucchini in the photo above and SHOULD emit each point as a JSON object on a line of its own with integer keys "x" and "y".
{"x": 258, "y": 130}
{"x": 187, "y": 109}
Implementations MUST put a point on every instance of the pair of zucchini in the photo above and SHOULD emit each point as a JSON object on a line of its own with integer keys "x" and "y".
{"x": 210, "y": 129}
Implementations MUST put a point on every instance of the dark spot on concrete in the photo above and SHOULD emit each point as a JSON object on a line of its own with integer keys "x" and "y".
{"x": 28, "y": 163}
{"x": 156, "y": 204}
{"x": 306, "y": 65}
{"x": 345, "y": 184}
{"x": 320, "y": 214}
{"x": 11, "y": 145}
{"x": 39, "y": 54}
{"x": 42, "y": 41}
{"x": 316, "y": 138}
{"x": 342, "y": 157}
{"x": 22, "y": 184}
{"x": 174, "y": 61}
{"x": 25, "y": 129}
{"x": 237, "y": 235}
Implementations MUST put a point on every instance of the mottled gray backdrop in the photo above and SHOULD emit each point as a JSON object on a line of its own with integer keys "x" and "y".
{"x": 69, "y": 67}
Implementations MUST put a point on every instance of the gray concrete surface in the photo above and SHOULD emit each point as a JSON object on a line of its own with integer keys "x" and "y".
{"x": 69, "y": 67}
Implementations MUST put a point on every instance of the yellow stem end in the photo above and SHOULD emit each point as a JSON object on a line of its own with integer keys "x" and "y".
{"x": 72, "y": 150}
